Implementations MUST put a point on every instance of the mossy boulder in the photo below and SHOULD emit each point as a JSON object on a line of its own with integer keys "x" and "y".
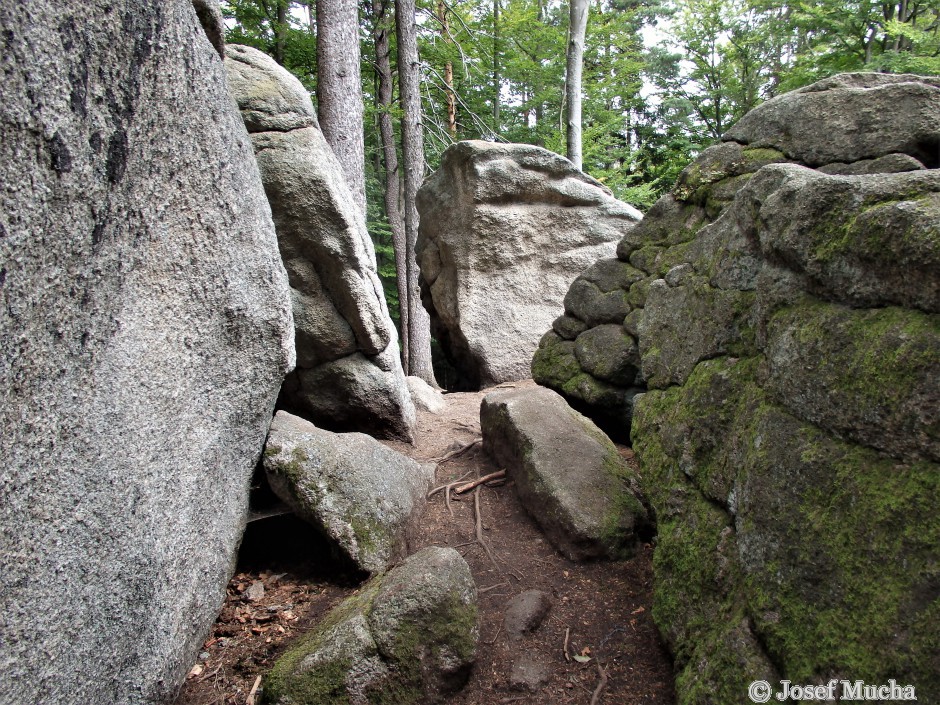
{"x": 407, "y": 637}
{"x": 363, "y": 496}
{"x": 786, "y": 411}
{"x": 568, "y": 474}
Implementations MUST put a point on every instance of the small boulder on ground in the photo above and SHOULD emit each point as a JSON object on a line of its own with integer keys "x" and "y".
{"x": 424, "y": 396}
{"x": 408, "y": 636}
{"x": 362, "y": 495}
{"x": 526, "y": 612}
{"x": 568, "y": 474}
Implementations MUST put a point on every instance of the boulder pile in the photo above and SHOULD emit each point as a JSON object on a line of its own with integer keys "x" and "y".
{"x": 781, "y": 311}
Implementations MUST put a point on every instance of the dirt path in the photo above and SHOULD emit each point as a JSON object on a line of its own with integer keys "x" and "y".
{"x": 604, "y": 607}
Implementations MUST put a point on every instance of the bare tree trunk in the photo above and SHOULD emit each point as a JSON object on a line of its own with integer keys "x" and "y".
{"x": 280, "y": 29}
{"x": 578, "y": 27}
{"x": 383, "y": 64}
{"x": 496, "y": 78}
{"x": 339, "y": 92}
{"x": 412, "y": 150}
{"x": 448, "y": 72}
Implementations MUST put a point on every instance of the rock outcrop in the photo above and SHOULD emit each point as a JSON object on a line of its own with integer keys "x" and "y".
{"x": 349, "y": 375}
{"x": 504, "y": 229}
{"x": 407, "y": 637}
{"x": 568, "y": 474}
{"x": 145, "y": 329}
{"x": 362, "y": 496}
{"x": 787, "y": 326}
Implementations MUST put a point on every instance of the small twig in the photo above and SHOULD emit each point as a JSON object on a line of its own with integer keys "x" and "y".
{"x": 209, "y": 675}
{"x": 448, "y": 485}
{"x": 600, "y": 686}
{"x": 481, "y": 591}
{"x": 479, "y": 481}
{"x": 493, "y": 640}
{"x": 254, "y": 689}
{"x": 460, "y": 451}
{"x": 565, "y": 648}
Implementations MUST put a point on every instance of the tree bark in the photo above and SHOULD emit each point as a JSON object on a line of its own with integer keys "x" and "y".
{"x": 412, "y": 143}
{"x": 578, "y": 12}
{"x": 339, "y": 92}
{"x": 280, "y": 29}
{"x": 380, "y": 32}
{"x": 448, "y": 72}
{"x": 496, "y": 79}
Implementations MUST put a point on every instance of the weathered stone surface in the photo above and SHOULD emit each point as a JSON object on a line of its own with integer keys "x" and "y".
{"x": 213, "y": 24}
{"x": 847, "y": 118}
{"x": 408, "y": 637}
{"x": 348, "y": 375}
{"x": 530, "y": 671}
{"x": 526, "y": 612}
{"x": 425, "y": 397}
{"x": 504, "y": 229}
{"x": 568, "y": 474}
{"x": 789, "y": 342}
{"x": 363, "y": 496}
{"x": 145, "y": 328}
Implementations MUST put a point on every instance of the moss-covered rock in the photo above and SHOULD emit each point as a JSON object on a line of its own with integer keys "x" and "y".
{"x": 360, "y": 494}
{"x": 568, "y": 474}
{"x": 789, "y": 436}
{"x": 408, "y": 637}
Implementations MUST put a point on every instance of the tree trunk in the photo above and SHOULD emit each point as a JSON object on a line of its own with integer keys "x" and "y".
{"x": 339, "y": 92}
{"x": 577, "y": 29}
{"x": 383, "y": 64}
{"x": 280, "y": 29}
{"x": 412, "y": 150}
{"x": 448, "y": 72}
{"x": 496, "y": 78}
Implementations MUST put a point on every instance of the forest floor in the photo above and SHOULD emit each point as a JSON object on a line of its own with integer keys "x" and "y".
{"x": 602, "y": 608}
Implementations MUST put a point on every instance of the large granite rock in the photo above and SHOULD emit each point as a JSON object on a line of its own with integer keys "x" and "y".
{"x": 504, "y": 229}
{"x": 568, "y": 474}
{"x": 788, "y": 332}
{"x": 145, "y": 328}
{"x": 362, "y": 496}
{"x": 407, "y": 637}
{"x": 349, "y": 374}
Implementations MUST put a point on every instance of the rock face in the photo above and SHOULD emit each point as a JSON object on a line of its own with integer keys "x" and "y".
{"x": 363, "y": 496}
{"x": 408, "y": 637}
{"x": 348, "y": 374}
{"x": 504, "y": 229}
{"x": 145, "y": 329}
{"x": 788, "y": 329}
{"x": 568, "y": 474}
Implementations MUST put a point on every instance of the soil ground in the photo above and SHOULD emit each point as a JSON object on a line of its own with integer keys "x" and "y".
{"x": 604, "y": 607}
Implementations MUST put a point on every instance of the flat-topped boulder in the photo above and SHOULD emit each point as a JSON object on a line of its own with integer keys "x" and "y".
{"x": 363, "y": 496}
{"x": 504, "y": 229}
{"x": 408, "y": 637}
{"x": 568, "y": 474}
{"x": 349, "y": 375}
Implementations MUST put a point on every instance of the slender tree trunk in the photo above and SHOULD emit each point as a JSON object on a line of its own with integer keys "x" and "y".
{"x": 380, "y": 32}
{"x": 412, "y": 143}
{"x": 496, "y": 78}
{"x": 448, "y": 72}
{"x": 578, "y": 28}
{"x": 279, "y": 29}
{"x": 339, "y": 92}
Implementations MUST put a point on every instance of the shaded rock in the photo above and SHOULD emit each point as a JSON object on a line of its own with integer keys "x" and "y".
{"x": 408, "y": 636}
{"x": 213, "y": 24}
{"x": 363, "y": 496}
{"x": 608, "y": 353}
{"x": 504, "y": 229}
{"x": 145, "y": 328}
{"x": 530, "y": 671}
{"x": 425, "y": 397}
{"x": 348, "y": 375}
{"x": 888, "y": 164}
{"x": 568, "y": 474}
{"x": 526, "y": 612}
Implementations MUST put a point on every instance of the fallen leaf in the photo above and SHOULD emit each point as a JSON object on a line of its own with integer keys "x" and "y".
{"x": 195, "y": 670}
{"x": 581, "y": 659}
{"x": 638, "y": 610}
